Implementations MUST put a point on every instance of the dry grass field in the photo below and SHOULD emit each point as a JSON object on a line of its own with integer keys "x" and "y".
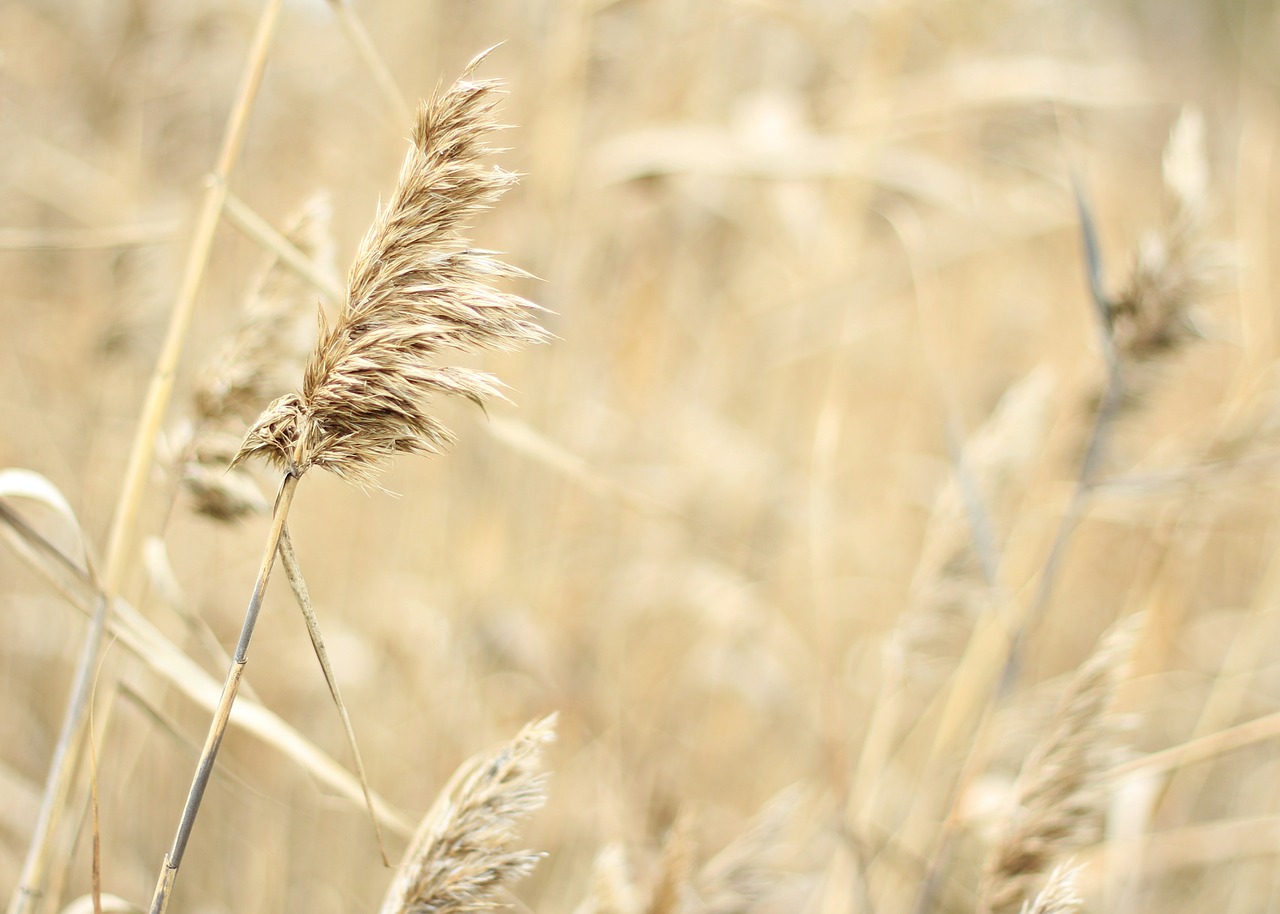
{"x": 872, "y": 564}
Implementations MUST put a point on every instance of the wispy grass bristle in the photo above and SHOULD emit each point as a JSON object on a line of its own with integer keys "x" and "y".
{"x": 416, "y": 289}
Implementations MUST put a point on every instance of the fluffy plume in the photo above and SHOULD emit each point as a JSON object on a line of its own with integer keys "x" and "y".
{"x": 1061, "y": 794}
{"x": 1176, "y": 266}
{"x": 416, "y": 290}
{"x": 262, "y": 360}
{"x": 463, "y": 853}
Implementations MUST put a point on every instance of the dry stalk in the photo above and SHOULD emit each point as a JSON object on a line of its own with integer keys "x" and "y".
{"x": 416, "y": 290}
{"x": 672, "y": 888}
{"x": 36, "y": 864}
{"x": 957, "y": 568}
{"x": 1061, "y": 793}
{"x": 464, "y": 851}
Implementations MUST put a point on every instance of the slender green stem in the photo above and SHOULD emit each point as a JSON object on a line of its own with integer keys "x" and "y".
{"x": 218, "y": 726}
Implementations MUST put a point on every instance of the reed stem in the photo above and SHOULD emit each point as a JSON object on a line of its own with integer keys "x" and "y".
{"x": 218, "y": 727}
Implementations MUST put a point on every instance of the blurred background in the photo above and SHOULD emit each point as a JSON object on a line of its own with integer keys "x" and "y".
{"x": 797, "y": 254}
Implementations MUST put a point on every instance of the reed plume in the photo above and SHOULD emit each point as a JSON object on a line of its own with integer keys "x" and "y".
{"x": 262, "y": 359}
{"x": 1061, "y": 791}
{"x": 1176, "y": 265}
{"x": 612, "y": 887}
{"x": 415, "y": 290}
{"x": 464, "y": 850}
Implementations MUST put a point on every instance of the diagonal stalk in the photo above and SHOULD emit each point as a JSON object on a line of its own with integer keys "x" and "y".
{"x": 299, "y": 586}
{"x": 218, "y": 726}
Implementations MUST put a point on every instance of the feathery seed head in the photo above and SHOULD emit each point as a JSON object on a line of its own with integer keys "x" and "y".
{"x": 1062, "y": 793}
{"x": 463, "y": 851}
{"x": 1176, "y": 266}
{"x": 415, "y": 290}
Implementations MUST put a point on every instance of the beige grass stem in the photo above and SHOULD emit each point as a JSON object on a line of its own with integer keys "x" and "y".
{"x": 143, "y": 452}
{"x": 245, "y": 218}
{"x": 218, "y": 727}
{"x": 360, "y": 39}
{"x": 298, "y": 584}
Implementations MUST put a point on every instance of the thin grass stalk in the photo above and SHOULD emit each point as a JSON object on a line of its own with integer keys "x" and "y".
{"x": 243, "y": 217}
{"x": 298, "y": 584}
{"x": 360, "y": 39}
{"x": 142, "y": 455}
{"x": 166, "y": 660}
{"x": 218, "y": 727}
{"x": 26, "y": 896}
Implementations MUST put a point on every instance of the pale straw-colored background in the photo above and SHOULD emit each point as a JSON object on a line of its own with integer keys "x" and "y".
{"x": 787, "y": 245}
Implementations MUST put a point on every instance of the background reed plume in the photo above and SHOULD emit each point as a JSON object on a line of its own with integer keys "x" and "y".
{"x": 464, "y": 853}
{"x": 1062, "y": 792}
{"x": 416, "y": 289}
{"x": 261, "y": 360}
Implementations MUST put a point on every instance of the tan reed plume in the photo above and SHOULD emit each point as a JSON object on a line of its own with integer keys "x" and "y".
{"x": 1061, "y": 791}
{"x": 261, "y": 360}
{"x": 464, "y": 850}
{"x": 416, "y": 289}
{"x": 612, "y": 888}
{"x": 1175, "y": 265}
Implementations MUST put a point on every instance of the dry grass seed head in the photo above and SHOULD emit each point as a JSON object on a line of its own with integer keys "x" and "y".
{"x": 463, "y": 852}
{"x": 1061, "y": 796}
{"x": 1176, "y": 266}
{"x": 415, "y": 290}
{"x": 263, "y": 359}
{"x": 612, "y": 888}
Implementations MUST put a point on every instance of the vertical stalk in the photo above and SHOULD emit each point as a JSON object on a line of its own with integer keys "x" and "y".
{"x": 218, "y": 726}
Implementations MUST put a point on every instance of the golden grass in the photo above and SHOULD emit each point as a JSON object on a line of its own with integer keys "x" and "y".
{"x": 759, "y": 518}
